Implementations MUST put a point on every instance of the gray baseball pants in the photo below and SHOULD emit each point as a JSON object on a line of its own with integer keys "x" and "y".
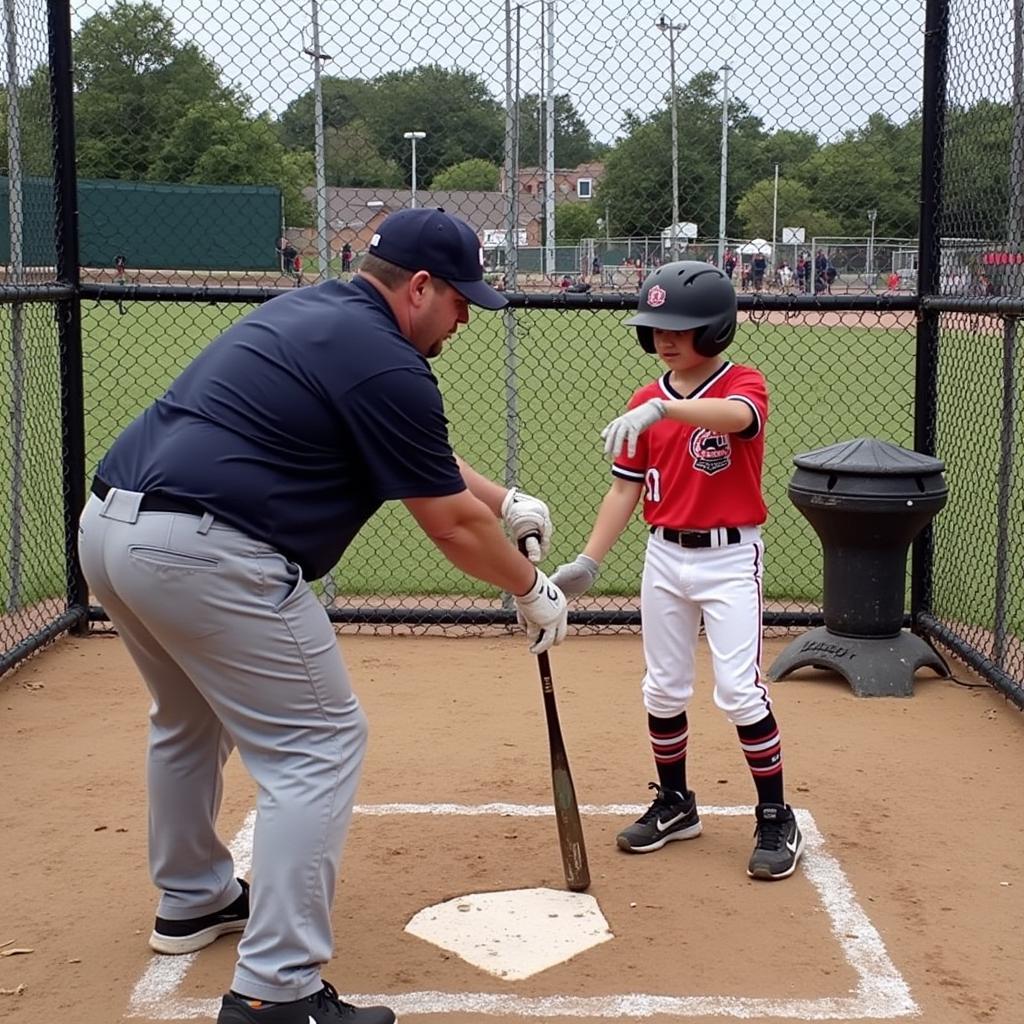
{"x": 236, "y": 652}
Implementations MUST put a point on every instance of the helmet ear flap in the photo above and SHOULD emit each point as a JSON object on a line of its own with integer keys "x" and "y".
{"x": 715, "y": 338}
{"x": 645, "y": 335}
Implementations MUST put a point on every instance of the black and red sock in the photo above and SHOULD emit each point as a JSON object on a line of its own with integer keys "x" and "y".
{"x": 669, "y": 737}
{"x": 762, "y": 747}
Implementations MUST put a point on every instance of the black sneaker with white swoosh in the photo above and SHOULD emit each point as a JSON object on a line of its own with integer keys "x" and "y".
{"x": 174, "y": 938}
{"x": 671, "y": 816}
{"x": 323, "y": 1007}
{"x": 778, "y": 843}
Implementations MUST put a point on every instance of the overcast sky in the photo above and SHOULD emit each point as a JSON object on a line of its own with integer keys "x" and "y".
{"x": 816, "y": 66}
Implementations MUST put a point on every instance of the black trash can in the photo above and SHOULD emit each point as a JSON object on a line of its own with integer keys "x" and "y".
{"x": 867, "y": 500}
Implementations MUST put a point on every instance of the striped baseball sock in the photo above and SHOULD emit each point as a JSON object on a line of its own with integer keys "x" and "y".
{"x": 762, "y": 747}
{"x": 668, "y": 741}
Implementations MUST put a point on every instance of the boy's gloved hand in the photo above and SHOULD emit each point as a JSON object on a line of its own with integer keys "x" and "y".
{"x": 576, "y": 577}
{"x": 629, "y": 426}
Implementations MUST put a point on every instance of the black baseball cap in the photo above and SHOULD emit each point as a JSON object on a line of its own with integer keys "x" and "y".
{"x": 435, "y": 241}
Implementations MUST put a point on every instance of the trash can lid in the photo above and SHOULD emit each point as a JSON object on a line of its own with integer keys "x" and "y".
{"x": 867, "y": 456}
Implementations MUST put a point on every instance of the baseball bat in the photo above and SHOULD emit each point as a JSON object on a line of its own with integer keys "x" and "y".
{"x": 567, "y": 812}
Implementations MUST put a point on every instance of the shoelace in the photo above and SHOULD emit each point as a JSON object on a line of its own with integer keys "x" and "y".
{"x": 655, "y": 810}
{"x": 327, "y": 998}
{"x": 771, "y": 835}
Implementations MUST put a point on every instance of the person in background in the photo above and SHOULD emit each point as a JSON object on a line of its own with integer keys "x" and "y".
{"x": 287, "y": 252}
{"x": 758, "y": 268}
{"x": 820, "y": 271}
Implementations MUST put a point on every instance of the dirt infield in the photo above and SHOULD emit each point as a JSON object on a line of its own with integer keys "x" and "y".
{"x": 908, "y": 903}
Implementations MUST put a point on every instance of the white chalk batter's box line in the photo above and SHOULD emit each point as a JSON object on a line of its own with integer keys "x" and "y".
{"x": 880, "y": 993}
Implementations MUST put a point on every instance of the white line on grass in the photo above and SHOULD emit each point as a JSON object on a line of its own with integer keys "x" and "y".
{"x": 880, "y": 994}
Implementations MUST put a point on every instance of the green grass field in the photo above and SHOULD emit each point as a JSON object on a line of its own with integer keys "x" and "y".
{"x": 572, "y": 373}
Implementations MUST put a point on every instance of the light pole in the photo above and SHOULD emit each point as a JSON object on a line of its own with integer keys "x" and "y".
{"x": 775, "y": 211}
{"x": 413, "y": 136}
{"x": 672, "y": 30}
{"x": 723, "y": 175}
{"x": 511, "y": 170}
{"x": 323, "y": 243}
{"x": 872, "y": 214}
{"x": 549, "y": 137}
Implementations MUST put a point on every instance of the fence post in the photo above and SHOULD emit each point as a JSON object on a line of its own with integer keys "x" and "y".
{"x": 69, "y": 320}
{"x": 1004, "y": 498}
{"x": 933, "y": 124}
{"x": 16, "y": 221}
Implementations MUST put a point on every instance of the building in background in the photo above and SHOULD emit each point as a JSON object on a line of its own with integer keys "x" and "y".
{"x": 576, "y": 184}
{"x": 354, "y": 213}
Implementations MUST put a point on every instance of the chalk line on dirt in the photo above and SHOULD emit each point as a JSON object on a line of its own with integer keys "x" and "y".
{"x": 880, "y": 994}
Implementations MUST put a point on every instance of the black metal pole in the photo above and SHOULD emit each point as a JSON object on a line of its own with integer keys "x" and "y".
{"x": 69, "y": 319}
{"x": 933, "y": 125}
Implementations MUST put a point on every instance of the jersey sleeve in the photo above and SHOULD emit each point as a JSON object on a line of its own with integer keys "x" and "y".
{"x": 396, "y": 421}
{"x": 749, "y": 386}
{"x": 633, "y": 469}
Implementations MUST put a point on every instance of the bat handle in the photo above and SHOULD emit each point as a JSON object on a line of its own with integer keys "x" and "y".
{"x": 521, "y": 543}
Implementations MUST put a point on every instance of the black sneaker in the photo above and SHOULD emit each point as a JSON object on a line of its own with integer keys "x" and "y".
{"x": 778, "y": 843}
{"x": 323, "y": 1007}
{"x": 177, "y": 937}
{"x": 671, "y": 816}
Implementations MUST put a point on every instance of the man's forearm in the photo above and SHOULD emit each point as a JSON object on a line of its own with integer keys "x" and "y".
{"x": 483, "y": 488}
{"x": 477, "y": 546}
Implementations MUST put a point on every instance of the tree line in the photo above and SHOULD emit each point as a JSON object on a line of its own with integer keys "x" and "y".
{"x": 152, "y": 108}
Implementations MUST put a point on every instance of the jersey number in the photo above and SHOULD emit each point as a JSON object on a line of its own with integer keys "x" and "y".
{"x": 652, "y": 485}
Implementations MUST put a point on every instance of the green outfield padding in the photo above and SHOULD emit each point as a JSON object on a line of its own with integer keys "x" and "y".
{"x": 155, "y": 227}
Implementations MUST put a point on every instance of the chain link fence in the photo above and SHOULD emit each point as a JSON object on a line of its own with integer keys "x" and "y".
{"x": 973, "y": 599}
{"x": 34, "y": 463}
{"x": 226, "y": 152}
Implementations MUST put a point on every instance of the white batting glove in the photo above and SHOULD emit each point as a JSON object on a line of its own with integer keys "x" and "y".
{"x": 544, "y": 613}
{"x": 629, "y": 426}
{"x": 527, "y": 519}
{"x": 576, "y": 577}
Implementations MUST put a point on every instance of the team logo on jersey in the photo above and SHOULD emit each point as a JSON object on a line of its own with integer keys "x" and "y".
{"x": 711, "y": 452}
{"x": 656, "y": 296}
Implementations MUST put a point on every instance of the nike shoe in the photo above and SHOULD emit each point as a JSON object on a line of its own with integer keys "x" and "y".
{"x": 778, "y": 843}
{"x": 672, "y": 816}
{"x": 323, "y": 1007}
{"x": 176, "y": 937}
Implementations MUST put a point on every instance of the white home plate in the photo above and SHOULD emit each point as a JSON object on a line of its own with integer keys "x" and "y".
{"x": 514, "y": 934}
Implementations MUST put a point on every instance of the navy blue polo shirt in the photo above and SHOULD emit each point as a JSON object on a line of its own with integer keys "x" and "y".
{"x": 296, "y": 423}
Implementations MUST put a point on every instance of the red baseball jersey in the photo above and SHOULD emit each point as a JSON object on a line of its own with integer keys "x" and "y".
{"x": 695, "y": 478}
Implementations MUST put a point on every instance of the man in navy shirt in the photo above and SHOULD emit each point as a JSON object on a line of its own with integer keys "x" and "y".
{"x": 208, "y": 516}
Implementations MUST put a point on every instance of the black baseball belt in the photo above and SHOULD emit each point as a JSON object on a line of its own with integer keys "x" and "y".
{"x": 696, "y": 538}
{"x": 153, "y": 501}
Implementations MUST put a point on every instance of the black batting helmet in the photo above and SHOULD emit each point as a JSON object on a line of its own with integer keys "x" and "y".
{"x": 687, "y": 295}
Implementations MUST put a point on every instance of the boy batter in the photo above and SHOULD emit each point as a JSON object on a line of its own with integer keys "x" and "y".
{"x": 692, "y": 444}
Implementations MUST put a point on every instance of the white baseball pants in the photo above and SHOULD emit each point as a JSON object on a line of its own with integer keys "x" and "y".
{"x": 724, "y": 585}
